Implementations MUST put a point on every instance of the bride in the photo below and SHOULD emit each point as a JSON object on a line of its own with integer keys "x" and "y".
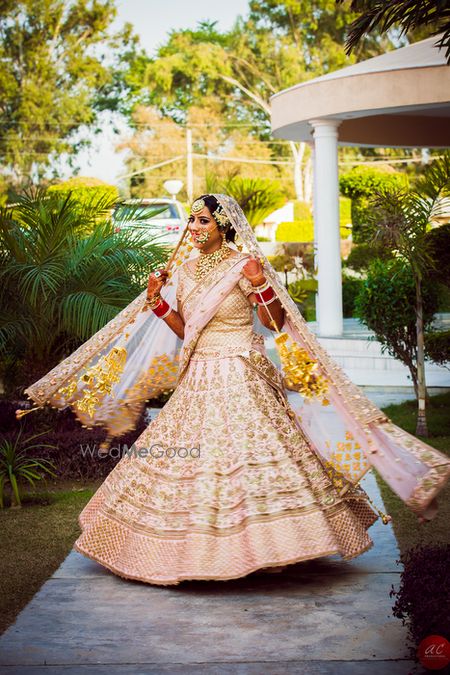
{"x": 233, "y": 475}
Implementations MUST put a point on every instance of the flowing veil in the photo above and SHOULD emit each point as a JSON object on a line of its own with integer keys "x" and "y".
{"x": 134, "y": 357}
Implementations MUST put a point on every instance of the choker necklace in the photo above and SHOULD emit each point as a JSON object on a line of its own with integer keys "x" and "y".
{"x": 207, "y": 261}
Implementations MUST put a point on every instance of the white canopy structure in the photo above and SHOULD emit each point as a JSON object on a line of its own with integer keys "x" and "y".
{"x": 399, "y": 99}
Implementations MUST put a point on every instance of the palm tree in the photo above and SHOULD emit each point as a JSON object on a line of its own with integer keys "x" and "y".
{"x": 257, "y": 197}
{"x": 409, "y": 15}
{"x": 64, "y": 273}
{"x": 402, "y": 220}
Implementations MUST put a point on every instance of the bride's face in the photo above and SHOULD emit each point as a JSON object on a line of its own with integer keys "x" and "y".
{"x": 203, "y": 229}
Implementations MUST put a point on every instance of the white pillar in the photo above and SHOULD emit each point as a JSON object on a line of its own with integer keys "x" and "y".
{"x": 326, "y": 227}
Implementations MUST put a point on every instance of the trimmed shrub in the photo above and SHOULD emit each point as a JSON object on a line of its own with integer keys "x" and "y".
{"x": 302, "y": 227}
{"x": 84, "y": 189}
{"x": 351, "y": 287}
{"x": 423, "y": 599}
{"x": 360, "y": 183}
{"x": 345, "y": 216}
{"x": 298, "y": 230}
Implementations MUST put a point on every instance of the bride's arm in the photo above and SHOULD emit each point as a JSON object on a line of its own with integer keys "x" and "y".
{"x": 254, "y": 272}
{"x": 175, "y": 322}
{"x": 173, "y": 319}
{"x": 276, "y": 309}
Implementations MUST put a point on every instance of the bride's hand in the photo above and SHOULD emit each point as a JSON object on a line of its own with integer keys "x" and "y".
{"x": 253, "y": 271}
{"x": 156, "y": 283}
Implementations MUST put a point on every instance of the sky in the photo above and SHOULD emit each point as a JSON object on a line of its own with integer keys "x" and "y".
{"x": 152, "y": 20}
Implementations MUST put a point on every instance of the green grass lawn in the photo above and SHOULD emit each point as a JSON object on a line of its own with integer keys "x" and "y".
{"x": 406, "y": 526}
{"x": 35, "y": 539}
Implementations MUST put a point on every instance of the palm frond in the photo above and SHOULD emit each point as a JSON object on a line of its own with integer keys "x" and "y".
{"x": 408, "y": 15}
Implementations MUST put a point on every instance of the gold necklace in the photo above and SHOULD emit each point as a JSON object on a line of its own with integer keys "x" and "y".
{"x": 207, "y": 261}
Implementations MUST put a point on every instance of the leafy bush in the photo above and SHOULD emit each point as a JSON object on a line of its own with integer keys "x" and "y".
{"x": 16, "y": 465}
{"x": 362, "y": 255}
{"x": 61, "y": 429}
{"x": 303, "y": 292}
{"x": 84, "y": 189}
{"x": 437, "y": 346}
{"x": 350, "y": 290}
{"x": 423, "y": 599}
{"x": 386, "y": 303}
{"x": 359, "y": 184}
{"x": 58, "y": 285}
{"x": 439, "y": 240}
{"x": 444, "y": 297}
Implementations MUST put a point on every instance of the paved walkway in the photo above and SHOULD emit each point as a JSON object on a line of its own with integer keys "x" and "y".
{"x": 324, "y": 616}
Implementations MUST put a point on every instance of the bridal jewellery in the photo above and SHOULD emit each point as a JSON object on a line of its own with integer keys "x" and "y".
{"x": 219, "y": 214}
{"x": 198, "y": 205}
{"x": 207, "y": 261}
{"x": 300, "y": 369}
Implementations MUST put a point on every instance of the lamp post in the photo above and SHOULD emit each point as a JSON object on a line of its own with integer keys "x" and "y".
{"x": 173, "y": 187}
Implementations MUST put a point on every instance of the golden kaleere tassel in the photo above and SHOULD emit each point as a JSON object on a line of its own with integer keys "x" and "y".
{"x": 299, "y": 368}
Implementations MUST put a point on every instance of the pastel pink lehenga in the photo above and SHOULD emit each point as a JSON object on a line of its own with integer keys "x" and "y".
{"x": 232, "y": 476}
{"x": 241, "y": 489}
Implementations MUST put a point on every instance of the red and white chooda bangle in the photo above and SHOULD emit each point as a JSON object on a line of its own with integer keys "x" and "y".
{"x": 162, "y": 309}
{"x": 265, "y": 294}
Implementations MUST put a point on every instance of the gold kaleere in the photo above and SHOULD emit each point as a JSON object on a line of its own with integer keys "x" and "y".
{"x": 300, "y": 369}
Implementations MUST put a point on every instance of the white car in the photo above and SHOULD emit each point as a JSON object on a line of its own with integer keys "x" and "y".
{"x": 165, "y": 227}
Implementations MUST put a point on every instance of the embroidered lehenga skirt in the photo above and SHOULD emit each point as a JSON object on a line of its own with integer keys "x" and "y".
{"x": 222, "y": 482}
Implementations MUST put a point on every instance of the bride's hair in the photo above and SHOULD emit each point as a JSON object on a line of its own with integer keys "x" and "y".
{"x": 214, "y": 206}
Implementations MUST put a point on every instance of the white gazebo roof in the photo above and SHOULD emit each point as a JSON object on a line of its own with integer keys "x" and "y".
{"x": 401, "y": 98}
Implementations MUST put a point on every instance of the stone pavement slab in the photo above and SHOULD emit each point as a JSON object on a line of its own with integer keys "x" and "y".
{"x": 325, "y": 616}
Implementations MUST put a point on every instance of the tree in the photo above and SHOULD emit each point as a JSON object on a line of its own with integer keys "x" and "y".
{"x": 386, "y": 303}
{"x": 59, "y": 285}
{"x": 257, "y": 197}
{"x": 408, "y": 15}
{"x": 156, "y": 140}
{"x": 55, "y": 77}
{"x": 244, "y": 67}
{"x": 402, "y": 220}
{"x": 157, "y": 150}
